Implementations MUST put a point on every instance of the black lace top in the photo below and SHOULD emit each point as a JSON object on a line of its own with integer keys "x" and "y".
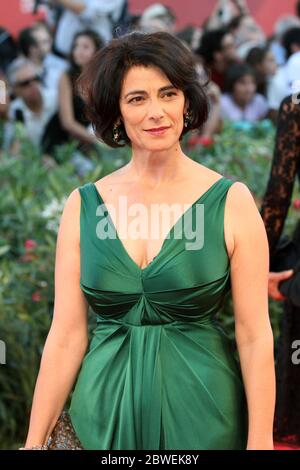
{"x": 284, "y": 170}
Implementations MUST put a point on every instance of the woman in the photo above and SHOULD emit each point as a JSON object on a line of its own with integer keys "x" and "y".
{"x": 247, "y": 33}
{"x": 263, "y": 62}
{"x": 277, "y": 200}
{"x": 241, "y": 102}
{"x": 159, "y": 372}
{"x": 71, "y": 107}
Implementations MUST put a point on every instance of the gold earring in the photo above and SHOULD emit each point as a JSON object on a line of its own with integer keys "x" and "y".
{"x": 116, "y": 133}
{"x": 187, "y": 119}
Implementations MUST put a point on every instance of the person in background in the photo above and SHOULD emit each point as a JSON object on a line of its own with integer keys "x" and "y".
{"x": 35, "y": 43}
{"x": 247, "y": 34}
{"x": 218, "y": 52}
{"x": 287, "y": 75}
{"x": 52, "y": 65}
{"x": 8, "y": 49}
{"x": 79, "y": 15}
{"x": 283, "y": 24}
{"x": 224, "y": 12}
{"x": 297, "y": 8}
{"x": 157, "y": 17}
{"x": 213, "y": 123}
{"x": 241, "y": 102}
{"x": 284, "y": 172}
{"x": 263, "y": 62}
{"x": 291, "y": 43}
{"x": 191, "y": 36}
{"x": 71, "y": 105}
{"x": 28, "y": 46}
{"x": 33, "y": 105}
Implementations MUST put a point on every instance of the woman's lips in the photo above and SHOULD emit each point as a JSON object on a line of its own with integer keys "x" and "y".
{"x": 158, "y": 131}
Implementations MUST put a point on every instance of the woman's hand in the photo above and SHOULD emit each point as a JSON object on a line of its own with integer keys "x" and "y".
{"x": 274, "y": 280}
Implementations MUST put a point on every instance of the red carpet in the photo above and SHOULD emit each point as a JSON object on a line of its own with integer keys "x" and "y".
{"x": 283, "y": 446}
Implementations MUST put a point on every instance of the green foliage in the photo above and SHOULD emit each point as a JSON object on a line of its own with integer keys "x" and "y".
{"x": 32, "y": 197}
{"x": 241, "y": 153}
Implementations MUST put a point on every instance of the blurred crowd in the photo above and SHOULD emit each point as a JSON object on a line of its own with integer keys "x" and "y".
{"x": 246, "y": 74}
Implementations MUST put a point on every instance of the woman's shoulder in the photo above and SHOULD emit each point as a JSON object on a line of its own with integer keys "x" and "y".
{"x": 65, "y": 79}
{"x": 113, "y": 178}
{"x": 242, "y": 205}
{"x": 259, "y": 100}
{"x": 240, "y": 191}
{"x": 72, "y": 201}
{"x": 226, "y": 99}
{"x": 244, "y": 225}
{"x": 69, "y": 221}
{"x": 239, "y": 195}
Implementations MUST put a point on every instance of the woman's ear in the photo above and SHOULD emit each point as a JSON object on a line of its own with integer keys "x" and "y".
{"x": 186, "y": 105}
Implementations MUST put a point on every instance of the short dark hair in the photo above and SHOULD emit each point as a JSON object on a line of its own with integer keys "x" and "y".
{"x": 211, "y": 42}
{"x": 42, "y": 24}
{"x": 234, "y": 73}
{"x": 101, "y": 81}
{"x": 74, "y": 69}
{"x": 257, "y": 55}
{"x": 291, "y": 36}
{"x": 8, "y": 49}
{"x": 235, "y": 22}
{"x": 92, "y": 35}
{"x": 26, "y": 41}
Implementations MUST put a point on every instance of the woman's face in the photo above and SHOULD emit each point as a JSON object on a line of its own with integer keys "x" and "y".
{"x": 244, "y": 89}
{"x": 269, "y": 64}
{"x": 149, "y": 101}
{"x": 83, "y": 51}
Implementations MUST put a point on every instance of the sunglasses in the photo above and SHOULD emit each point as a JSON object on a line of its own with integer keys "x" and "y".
{"x": 27, "y": 82}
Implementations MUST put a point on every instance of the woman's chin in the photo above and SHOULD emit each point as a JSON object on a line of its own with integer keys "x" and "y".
{"x": 159, "y": 144}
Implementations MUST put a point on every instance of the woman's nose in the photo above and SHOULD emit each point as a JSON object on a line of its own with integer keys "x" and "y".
{"x": 155, "y": 109}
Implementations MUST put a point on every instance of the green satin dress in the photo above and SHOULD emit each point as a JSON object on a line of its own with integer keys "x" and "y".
{"x": 159, "y": 372}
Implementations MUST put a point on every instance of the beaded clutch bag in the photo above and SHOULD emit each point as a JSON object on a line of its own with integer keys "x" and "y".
{"x": 63, "y": 436}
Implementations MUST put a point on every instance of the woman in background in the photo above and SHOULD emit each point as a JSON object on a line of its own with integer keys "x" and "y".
{"x": 71, "y": 105}
{"x": 285, "y": 171}
{"x": 263, "y": 62}
{"x": 241, "y": 102}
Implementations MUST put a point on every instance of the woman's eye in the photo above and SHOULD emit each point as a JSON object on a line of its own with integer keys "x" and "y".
{"x": 170, "y": 93}
{"x": 137, "y": 99}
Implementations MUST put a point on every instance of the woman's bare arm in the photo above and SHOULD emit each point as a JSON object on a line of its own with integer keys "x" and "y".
{"x": 67, "y": 340}
{"x": 249, "y": 280}
{"x": 66, "y": 113}
{"x": 76, "y": 6}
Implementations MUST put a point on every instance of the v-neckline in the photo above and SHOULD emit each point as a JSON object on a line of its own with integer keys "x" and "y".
{"x": 167, "y": 237}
